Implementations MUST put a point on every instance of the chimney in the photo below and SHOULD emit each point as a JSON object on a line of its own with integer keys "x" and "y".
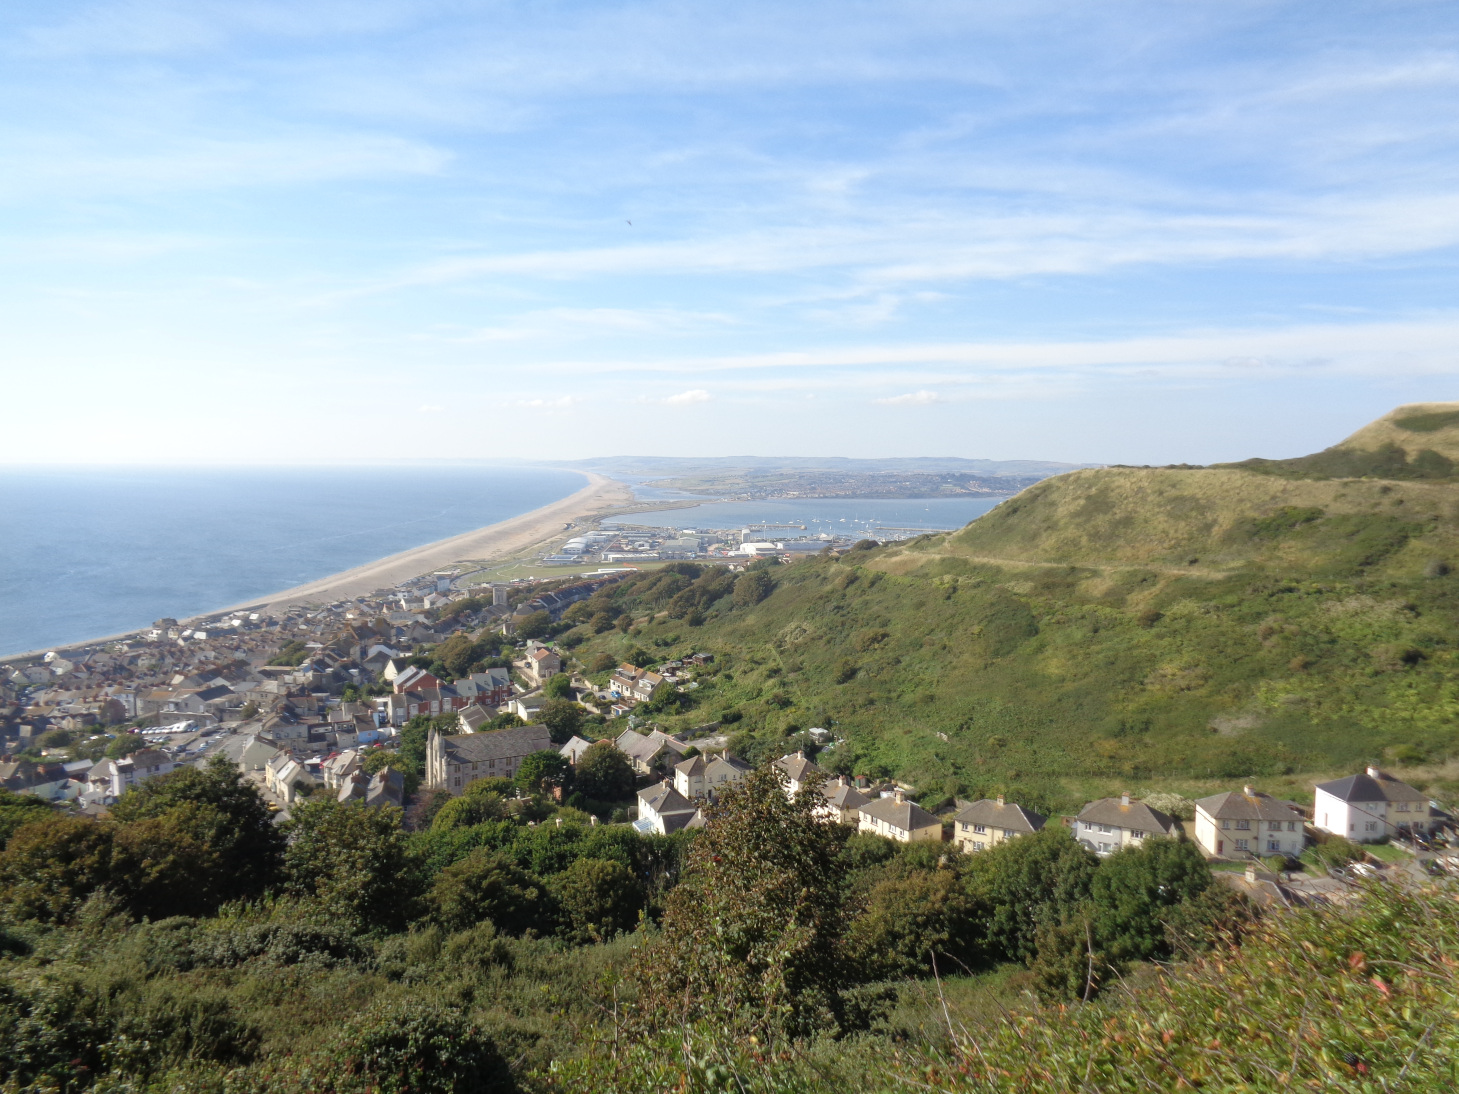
{"x": 899, "y": 797}
{"x": 1000, "y": 799}
{"x": 592, "y": 821}
{"x": 799, "y": 754}
{"x": 1374, "y": 773}
{"x": 1125, "y": 798}
{"x": 1249, "y": 791}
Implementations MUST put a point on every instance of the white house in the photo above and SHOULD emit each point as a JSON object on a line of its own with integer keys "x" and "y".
{"x": 113, "y": 778}
{"x": 1368, "y": 807}
{"x": 663, "y": 809}
{"x": 1107, "y": 825}
{"x": 1232, "y": 824}
{"x": 796, "y": 769}
{"x": 700, "y": 777}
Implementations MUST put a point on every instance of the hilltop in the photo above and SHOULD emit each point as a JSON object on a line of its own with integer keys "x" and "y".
{"x": 1170, "y": 627}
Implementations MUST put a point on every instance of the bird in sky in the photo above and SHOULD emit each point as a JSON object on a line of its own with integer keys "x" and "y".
{"x": 629, "y": 223}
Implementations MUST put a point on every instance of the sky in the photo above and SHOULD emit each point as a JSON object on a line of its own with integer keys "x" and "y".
{"x": 235, "y": 231}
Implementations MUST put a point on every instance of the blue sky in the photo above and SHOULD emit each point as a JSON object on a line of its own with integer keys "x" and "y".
{"x": 234, "y": 231}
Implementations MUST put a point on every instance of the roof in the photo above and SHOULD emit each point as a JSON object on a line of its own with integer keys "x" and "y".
{"x": 1135, "y": 815}
{"x": 542, "y": 653}
{"x": 574, "y": 749}
{"x": 1009, "y": 816}
{"x": 906, "y": 815}
{"x": 663, "y": 798}
{"x": 718, "y": 765}
{"x": 1372, "y": 786}
{"x": 497, "y": 744}
{"x": 692, "y": 767}
{"x": 645, "y": 747}
{"x": 796, "y": 766}
{"x": 844, "y": 796}
{"x": 1239, "y": 805}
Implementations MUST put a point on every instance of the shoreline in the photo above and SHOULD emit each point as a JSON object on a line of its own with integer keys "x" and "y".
{"x": 490, "y": 543}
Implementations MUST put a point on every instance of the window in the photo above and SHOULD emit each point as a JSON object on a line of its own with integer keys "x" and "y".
{"x": 1291, "y": 826}
{"x": 1088, "y": 827}
{"x": 456, "y": 781}
{"x": 1243, "y": 826}
{"x": 979, "y": 845}
{"x": 492, "y": 764}
{"x": 980, "y": 829}
{"x": 1104, "y": 829}
{"x": 1403, "y": 807}
{"x": 1371, "y": 826}
{"x": 1273, "y": 845}
{"x": 1104, "y": 848}
{"x": 965, "y": 826}
{"x": 1242, "y": 845}
{"x": 473, "y": 767}
{"x": 1007, "y": 833}
{"x": 1226, "y": 824}
{"x": 1136, "y": 833}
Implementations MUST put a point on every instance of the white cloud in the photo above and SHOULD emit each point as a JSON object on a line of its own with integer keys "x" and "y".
{"x": 913, "y": 398}
{"x": 688, "y": 398}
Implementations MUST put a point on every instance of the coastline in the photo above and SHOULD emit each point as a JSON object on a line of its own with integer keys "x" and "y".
{"x": 491, "y": 543}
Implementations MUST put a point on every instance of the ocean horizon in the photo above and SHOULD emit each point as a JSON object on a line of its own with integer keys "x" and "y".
{"x": 89, "y": 552}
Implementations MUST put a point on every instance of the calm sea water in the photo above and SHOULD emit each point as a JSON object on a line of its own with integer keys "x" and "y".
{"x": 85, "y": 553}
{"x": 838, "y": 516}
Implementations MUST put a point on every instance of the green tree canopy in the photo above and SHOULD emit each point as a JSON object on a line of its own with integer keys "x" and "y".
{"x": 908, "y": 922}
{"x": 231, "y": 822}
{"x": 50, "y": 867}
{"x": 537, "y": 625}
{"x": 352, "y": 864}
{"x": 563, "y": 718}
{"x": 1025, "y": 883}
{"x": 18, "y": 809}
{"x": 488, "y": 885}
{"x": 752, "y": 935}
{"x": 604, "y": 774}
{"x": 558, "y": 687}
{"x": 543, "y": 771}
{"x": 1135, "y": 890}
{"x": 596, "y": 899}
{"x": 751, "y": 588}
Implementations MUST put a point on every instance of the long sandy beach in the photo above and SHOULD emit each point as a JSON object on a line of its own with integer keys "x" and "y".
{"x": 492, "y": 543}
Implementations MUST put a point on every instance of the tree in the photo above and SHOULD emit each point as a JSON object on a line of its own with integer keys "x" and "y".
{"x": 597, "y": 899}
{"x": 604, "y": 774}
{"x": 752, "y": 934}
{"x": 353, "y": 864}
{"x": 487, "y": 885}
{"x": 1135, "y": 889}
{"x": 18, "y": 809}
{"x": 909, "y": 922}
{"x": 124, "y": 744}
{"x": 563, "y": 718}
{"x": 457, "y": 654}
{"x": 234, "y": 825}
{"x": 483, "y": 800}
{"x": 413, "y": 1046}
{"x": 558, "y": 687}
{"x": 1025, "y": 883}
{"x": 174, "y": 863}
{"x": 751, "y": 588}
{"x": 50, "y": 867}
{"x": 543, "y": 771}
{"x": 377, "y": 759}
{"x": 537, "y": 625}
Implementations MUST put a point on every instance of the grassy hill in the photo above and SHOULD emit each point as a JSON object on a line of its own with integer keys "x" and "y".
{"x": 1178, "y": 628}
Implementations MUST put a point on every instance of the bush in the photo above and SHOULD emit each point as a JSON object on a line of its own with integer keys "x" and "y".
{"x": 411, "y": 1046}
{"x": 596, "y": 899}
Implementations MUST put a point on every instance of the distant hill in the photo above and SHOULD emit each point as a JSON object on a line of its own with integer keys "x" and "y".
{"x": 1416, "y": 441}
{"x": 654, "y": 466}
{"x": 1170, "y": 627}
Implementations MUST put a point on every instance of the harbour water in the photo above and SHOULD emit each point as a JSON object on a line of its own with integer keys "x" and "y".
{"x": 837, "y": 516}
{"x": 86, "y": 553}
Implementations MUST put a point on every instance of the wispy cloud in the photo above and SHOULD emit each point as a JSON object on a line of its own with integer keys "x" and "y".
{"x": 912, "y": 398}
{"x": 687, "y": 398}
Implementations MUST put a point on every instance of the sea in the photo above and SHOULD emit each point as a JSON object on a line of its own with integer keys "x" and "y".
{"x": 862, "y": 517}
{"x": 86, "y": 553}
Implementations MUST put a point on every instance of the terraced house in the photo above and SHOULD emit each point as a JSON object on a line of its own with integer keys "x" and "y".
{"x": 1234, "y": 825}
{"x": 1107, "y": 825}
{"x": 979, "y": 825}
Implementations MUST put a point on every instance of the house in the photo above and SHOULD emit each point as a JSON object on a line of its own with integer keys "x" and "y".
{"x": 453, "y": 763}
{"x": 1109, "y": 824}
{"x": 573, "y": 751}
{"x": 899, "y": 819}
{"x": 414, "y": 679}
{"x": 385, "y": 787}
{"x": 113, "y": 778}
{"x": 663, "y": 809}
{"x": 1232, "y": 824}
{"x": 528, "y": 706}
{"x": 648, "y": 752}
{"x": 542, "y": 664}
{"x": 843, "y": 802}
{"x": 287, "y": 778}
{"x": 632, "y": 683}
{"x": 339, "y": 767}
{"x": 701, "y": 777}
{"x": 491, "y": 688}
{"x": 796, "y": 769}
{"x": 978, "y": 825}
{"x": 473, "y": 717}
{"x": 1369, "y": 807}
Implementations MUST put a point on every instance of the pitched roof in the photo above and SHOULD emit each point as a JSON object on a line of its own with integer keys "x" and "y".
{"x": 1239, "y": 805}
{"x": 843, "y": 795}
{"x": 906, "y": 815}
{"x": 663, "y": 798}
{"x": 1009, "y": 816}
{"x": 496, "y": 745}
{"x": 573, "y": 750}
{"x": 692, "y": 767}
{"x": 1372, "y": 786}
{"x": 644, "y": 747}
{"x": 796, "y": 766}
{"x": 726, "y": 765}
{"x": 1135, "y": 815}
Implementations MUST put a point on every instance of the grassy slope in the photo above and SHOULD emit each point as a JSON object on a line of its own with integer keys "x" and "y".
{"x": 1065, "y": 643}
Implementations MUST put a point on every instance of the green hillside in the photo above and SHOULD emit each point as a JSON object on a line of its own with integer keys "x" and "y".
{"x": 1176, "y": 628}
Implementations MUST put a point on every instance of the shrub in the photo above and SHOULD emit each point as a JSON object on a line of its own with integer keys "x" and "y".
{"x": 416, "y": 1047}
{"x": 596, "y": 899}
